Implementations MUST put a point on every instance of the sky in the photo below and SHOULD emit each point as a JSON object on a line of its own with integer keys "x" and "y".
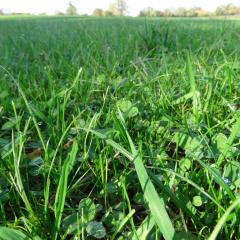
{"x": 87, "y": 6}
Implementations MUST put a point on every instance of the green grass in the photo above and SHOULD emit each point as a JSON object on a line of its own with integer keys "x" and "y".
{"x": 119, "y": 128}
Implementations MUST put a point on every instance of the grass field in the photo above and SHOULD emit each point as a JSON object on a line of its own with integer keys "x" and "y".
{"x": 119, "y": 128}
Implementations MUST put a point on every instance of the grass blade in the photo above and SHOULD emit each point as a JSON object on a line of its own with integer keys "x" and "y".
{"x": 218, "y": 179}
{"x": 223, "y": 219}
{"x": 156, "y": 204}
{"x": 230, "y": 140}
{"x": 62, "y": 189}
{"x": 124, "y": 221}
{"x": 145, "y": 228}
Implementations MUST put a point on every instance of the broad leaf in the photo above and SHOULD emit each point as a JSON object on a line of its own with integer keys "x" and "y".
{"x": 96, "y": 230}
{"x": 11, "y": 234}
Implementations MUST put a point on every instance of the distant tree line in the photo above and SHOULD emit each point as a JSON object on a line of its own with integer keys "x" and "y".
{"x": 226, "y": 10}
{"x": 14, "y": 13}
{"x": 119, "y": 8}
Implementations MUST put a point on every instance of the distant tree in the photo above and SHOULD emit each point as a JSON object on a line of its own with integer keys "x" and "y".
{"x": 159, "y": 13}
{"x": 71, "y": 10}
{"x": 227, "y": 10}
{"x": 59, "y": 13}
{"x": 148, "y": 12}
{"x": 42, "y": 14}
{"x": 112, "y": 10}
{"x": 220, "y": 11}
{"x": 203, "y": 13}
{"x": 180, "y": 12}
{"x": 168, "y": 13}
{"x": 121, "y": 7}
{"x": 98, "y": 12}
{"x": 141, "y": 13}
{"x": 108, "y": 13}
{"x": 118, "y": 8}
{"x": 193, "y": 12}
{"x": 197, "y": 12}
{"x": 1, "y": 12}
{"x": 232, "y": 10}
{"x": 20, "y": 13}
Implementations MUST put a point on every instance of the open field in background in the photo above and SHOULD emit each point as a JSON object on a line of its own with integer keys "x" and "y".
{"x": 119, "y": 128}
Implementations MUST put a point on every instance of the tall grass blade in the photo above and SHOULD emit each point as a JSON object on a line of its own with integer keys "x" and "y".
{"x": 123, "y": 222}
{"x": 62, "y": 188}
{"x": 156, "y": 203}
{"x": 218, "y": 179}
{"x": 195, "y": 93}
{"x": 145, "y": 228}
{"x": 223, "y": 219}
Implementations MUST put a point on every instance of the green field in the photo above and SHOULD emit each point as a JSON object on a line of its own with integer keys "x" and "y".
{"x": 119, "y": 128}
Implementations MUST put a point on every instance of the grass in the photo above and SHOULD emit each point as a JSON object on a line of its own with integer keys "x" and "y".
{"x": 119, "y": 128}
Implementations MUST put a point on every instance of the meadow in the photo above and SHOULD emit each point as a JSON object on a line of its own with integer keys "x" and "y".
{"x": 119, "y": 128}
